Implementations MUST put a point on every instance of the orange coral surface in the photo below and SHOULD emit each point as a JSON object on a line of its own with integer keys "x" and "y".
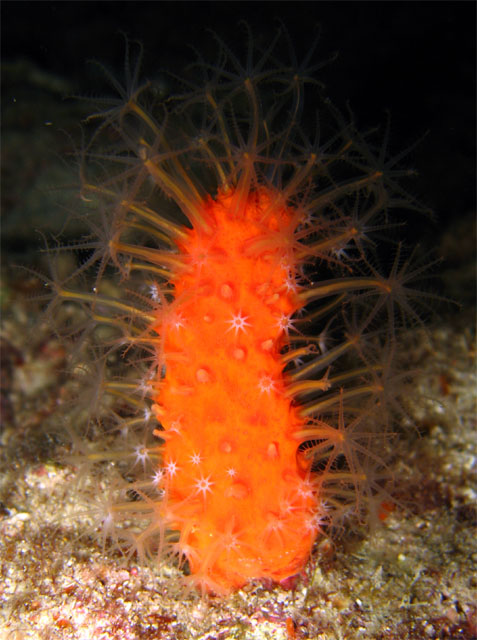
{"x": 233, "y": 489}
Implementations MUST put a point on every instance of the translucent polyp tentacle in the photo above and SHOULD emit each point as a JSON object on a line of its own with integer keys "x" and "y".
{"x": 172, "y": 230}
{"x": 333, "y": 287}
{"x": 320, "y": 362}
{"x": 154, "y": 256}
{"x": 181, "y": 190}
{"x": 95, "y": 300}
{"x": 317, "y": 408}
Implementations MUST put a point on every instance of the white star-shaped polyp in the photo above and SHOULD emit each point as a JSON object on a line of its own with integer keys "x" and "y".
{"x": 196, "y": 458}
{"x": 311, "y": 525}
{"x": 317, "y": 522}
{"x": 145, "y": 384}
{"x": 238, "y": 322}
{"x": 172, "y": 468}
{"x": 177, "y": 321}
{"x": 305, "y": 490}
{"x": 141, "y": 453}
{"x": 232, "y": 472}
{"x": 291, "y": 284}
{"x": 203, "y": 485}
{"x": 340, "y": 252}
{"x": 266, "y": 384}
{"x": 157, "y": 477}
{"x": 285, "y": 323}
{"x": 154, "y": 292}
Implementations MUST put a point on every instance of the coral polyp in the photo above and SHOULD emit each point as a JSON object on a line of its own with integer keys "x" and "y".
{"x": 246, "y": 340}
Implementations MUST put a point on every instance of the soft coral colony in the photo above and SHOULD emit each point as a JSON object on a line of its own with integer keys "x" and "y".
{"x": 254, "y": 337}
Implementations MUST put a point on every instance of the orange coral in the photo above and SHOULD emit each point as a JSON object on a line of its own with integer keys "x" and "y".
{"x": 221, "y": 222}
{"x": 243, "y": 508}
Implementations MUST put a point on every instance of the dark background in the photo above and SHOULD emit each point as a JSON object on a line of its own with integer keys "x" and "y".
{"x": 416, "y": 59}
